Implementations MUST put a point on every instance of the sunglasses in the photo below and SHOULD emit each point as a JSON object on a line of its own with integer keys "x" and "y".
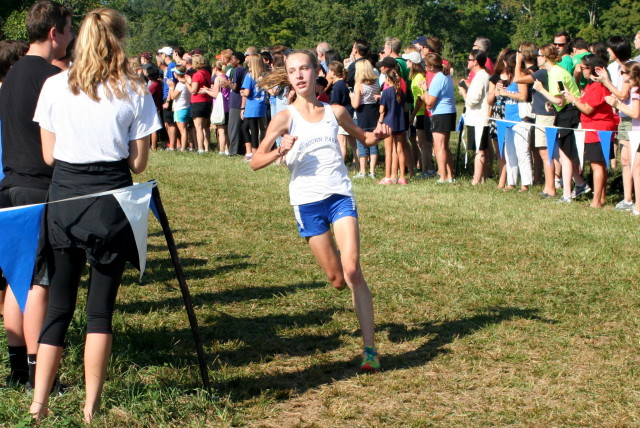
{"x": 560, "y": 44}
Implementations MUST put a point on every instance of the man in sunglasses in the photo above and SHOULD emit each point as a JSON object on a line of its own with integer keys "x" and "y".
{"x": 562, "y": 40}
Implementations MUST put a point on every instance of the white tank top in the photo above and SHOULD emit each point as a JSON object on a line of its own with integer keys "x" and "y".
{"x": 315, "y": 160}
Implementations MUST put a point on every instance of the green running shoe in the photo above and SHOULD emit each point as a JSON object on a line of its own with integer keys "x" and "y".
{"x": 370, "y": 360}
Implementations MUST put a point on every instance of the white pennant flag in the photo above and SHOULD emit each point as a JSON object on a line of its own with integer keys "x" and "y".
{"x": 135, "y": 204}
{"x": 634, "y": 141}
{"x": 580, "y": 134}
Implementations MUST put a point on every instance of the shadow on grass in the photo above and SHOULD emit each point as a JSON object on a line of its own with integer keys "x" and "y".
{"x": 282, "y": 385}
{"x": 214, "y": 298}
{"x": 162, "y": 270}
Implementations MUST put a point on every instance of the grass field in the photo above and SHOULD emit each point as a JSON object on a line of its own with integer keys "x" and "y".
{"x": 492, "y": 309}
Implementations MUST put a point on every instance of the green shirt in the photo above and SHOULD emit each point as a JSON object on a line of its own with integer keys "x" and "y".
{"x": 560, "y": 74}
{"x": 416, "y": 90}
{"x": 567, "y": 63}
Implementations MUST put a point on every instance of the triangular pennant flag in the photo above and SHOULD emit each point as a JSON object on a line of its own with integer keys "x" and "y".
{"x": 501, "y": 128}
{"x": 135, "y": 204}
{"x": 579, "y": 136}
{"x": 20, "y": 229}
{"x": 479, "y": 128}
{"x": 460, "y": 124}
{"x": 634, "y": 140}
{"x": 605, "y": 143}
{"x": 551, "y": 134}
{"x": 154, "y": 209}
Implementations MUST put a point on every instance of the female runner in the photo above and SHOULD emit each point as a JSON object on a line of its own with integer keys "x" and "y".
{"x": 320, "y": 189}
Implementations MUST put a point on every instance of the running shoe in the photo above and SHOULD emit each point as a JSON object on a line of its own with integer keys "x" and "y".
{"x": 360, "y": 175}
{"x": 385, "y": 181}
{"x": 402, "y": 181}
{"x": 372, "y": 175}
{"x": 579, "y": 190}
{"x": 564, "y": 201}
{"x": 624, "y": 206}
{"x": 370, "y": 360}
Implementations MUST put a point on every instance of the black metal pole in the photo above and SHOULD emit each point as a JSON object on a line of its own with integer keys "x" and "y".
{"x": 186, "y": 295}
{"x": 455, "y": 167}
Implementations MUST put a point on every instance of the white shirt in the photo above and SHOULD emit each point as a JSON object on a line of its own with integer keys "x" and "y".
{"x": 184, "y": 99}
{"x": 90, "y": 131}
{"x": 476, "y": 102}
{"x": 315, "y": 160}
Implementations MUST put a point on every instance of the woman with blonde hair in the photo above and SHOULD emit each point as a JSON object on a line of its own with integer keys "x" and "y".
{"x": 320, "y": 189}
{"x": 254, "y": 107}
{"x": 200, "y": 102}
{"x": 363, "y": 101}
{"x": 95, "y": 122}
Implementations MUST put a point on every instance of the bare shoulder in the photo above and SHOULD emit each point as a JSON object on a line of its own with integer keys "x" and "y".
{"x": 282, "y": 120}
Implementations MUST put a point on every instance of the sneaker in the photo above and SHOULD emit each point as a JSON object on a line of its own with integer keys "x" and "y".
{"x": 372, "y": 175}
{"x": 564, "y": 201}
{"x": 558, "y": 183}
{"x": 360, "y": 175}
{"x": 544, "y": 195}
{"x": 402, "y": 181}
{"x": 247, "y": 158}
{"x": 370, "y": 360}
{"x": 580, "y": 190}
{"x": 441, "y": 181}
{"x": 385, "y": 181}
{"x": 421, "y": 175}
{"x": 624, "y": 206}
{"x": 634, "y": 212}
{"x": 431, "y": 173}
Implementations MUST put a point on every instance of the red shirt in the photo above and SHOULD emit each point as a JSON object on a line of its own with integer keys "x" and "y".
{"x": 602, "y": 117}
{"x": 203, "y": 78}
{"x": 324, "y": 98}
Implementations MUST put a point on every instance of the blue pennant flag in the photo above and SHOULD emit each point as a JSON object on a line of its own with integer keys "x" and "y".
{"x": 501, "y": 127}
{"x": 551, "y": 134}
{"x": 460, "y": 124}
{"x": 20, "y": 229}
{"x": 605, "y": 143}
{"x": 154, "y": 210}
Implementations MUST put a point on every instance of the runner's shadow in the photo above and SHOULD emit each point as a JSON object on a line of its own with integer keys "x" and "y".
{"x": 284, "y": 385}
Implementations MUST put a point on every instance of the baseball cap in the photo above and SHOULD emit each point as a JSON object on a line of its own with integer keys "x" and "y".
{"x": 421, "y": 40}
{"x": 387, "y": 61}
{"x": 166, "y": 50}
{"x": 414, "y": 57}
{"x": 146, "y": 55}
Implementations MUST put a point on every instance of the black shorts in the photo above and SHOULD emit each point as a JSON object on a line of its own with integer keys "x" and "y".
{"x": 568, "y": 117}
{"x": 202, "y": 109}
{"x": 443, "y": 122}
{"x": 471, "y": 138}
{"x": 593, "y": 152}
{"x": 167, "y": 116}
{"x": 18, "y": 196}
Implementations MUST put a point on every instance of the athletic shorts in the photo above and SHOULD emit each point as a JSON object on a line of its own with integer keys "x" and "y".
{"x": 202, "y": 109}
{"x": 182, "y": 115}
{"x": 316, "y": 218}
{"x": 443, "y": 122}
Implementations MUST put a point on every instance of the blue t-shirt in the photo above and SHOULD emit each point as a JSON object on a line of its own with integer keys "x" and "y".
{"x": 510, "y": 105}
{"x": 393, "y": 110}
{"x": 237, "y": 76}
{"x": 340, "y": 94}
{"x": 168, "y": 75}
{"x": 539, "y": 101}
{"x": 442, "y": 88}
{"x": 255, "y": 105}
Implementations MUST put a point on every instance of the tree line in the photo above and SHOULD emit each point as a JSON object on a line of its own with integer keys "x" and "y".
{"x": 212, "y": 25}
